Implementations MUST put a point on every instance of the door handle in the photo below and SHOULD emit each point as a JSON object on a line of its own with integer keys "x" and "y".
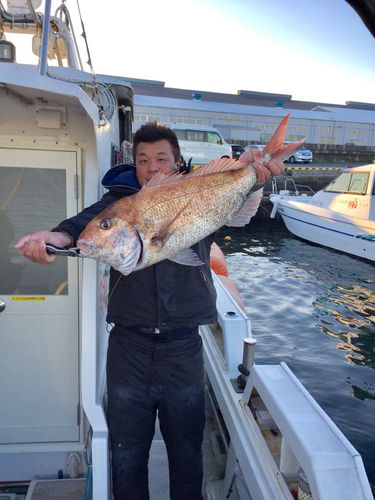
{"x": 2, "y": 305}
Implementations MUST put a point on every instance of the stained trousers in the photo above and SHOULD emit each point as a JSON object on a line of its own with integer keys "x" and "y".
{"x": 146, "y": 376}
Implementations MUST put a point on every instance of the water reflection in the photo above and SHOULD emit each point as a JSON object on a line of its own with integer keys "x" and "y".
{"x": 342, "y": 297}
{"x": 362, "y": 393}
{"x": 351, "y": 309}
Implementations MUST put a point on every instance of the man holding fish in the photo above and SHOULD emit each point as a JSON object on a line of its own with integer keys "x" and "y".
{"x": 154, "y": 229}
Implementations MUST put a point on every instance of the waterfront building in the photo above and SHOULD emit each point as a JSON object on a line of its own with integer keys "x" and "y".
{"x": 252, "y": 117}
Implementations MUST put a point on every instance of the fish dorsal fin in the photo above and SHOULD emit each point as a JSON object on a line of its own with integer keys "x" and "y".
{"x": 187, "y": 257}
{"x": 161, "y": 178}
{"x": 215, "y": 166}
{"x": 248, "y": 209}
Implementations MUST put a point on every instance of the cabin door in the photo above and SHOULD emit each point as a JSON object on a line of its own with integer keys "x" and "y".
{"x": 39, "y": 371}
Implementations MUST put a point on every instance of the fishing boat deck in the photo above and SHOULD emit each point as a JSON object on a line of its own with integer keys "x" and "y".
{"x": 213, "y": 465}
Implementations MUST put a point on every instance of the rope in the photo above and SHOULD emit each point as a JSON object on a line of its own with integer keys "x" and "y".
{"x": 61, "y": 288}
{"x": 93, "y": 76}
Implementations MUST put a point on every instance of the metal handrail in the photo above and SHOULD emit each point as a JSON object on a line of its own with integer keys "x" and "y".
{"x": 294, "y": 191}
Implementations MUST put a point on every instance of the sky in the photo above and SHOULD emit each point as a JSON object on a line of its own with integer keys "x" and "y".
{"x": 314, "y": 50}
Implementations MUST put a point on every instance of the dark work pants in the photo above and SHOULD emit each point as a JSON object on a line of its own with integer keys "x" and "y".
{"x": 146, "y": 375}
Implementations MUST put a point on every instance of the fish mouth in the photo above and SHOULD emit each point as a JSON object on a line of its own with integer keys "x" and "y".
{"x": 86, "y": 249}
{"x": 135, "y": 258}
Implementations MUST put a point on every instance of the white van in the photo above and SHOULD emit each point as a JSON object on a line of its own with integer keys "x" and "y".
{"x": 200, "y": 143}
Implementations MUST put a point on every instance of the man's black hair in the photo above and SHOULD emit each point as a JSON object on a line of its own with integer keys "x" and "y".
{"x": 152, "y": 132}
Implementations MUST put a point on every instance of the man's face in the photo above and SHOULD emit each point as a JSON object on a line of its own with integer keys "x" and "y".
{"x": 153, "y": 158}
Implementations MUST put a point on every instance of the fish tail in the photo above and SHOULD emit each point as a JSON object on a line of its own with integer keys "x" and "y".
{"x": 275, "y": 148}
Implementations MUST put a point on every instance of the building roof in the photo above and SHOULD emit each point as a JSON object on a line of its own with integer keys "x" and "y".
{"x": 155, "y": 94}
{"x": 243, "y": 97}
{"x": 339, "y": 114}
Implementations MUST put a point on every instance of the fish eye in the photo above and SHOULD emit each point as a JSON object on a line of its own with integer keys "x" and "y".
{"x": 105, "y": 223}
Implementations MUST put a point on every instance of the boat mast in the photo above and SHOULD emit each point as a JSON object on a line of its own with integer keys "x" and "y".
{"x": 45, "y": 37}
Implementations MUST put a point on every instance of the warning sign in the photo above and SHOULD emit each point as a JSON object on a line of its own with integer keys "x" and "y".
{"x": 28, "y": 298}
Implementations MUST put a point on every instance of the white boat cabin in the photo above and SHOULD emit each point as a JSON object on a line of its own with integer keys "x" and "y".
{"x": 352, "y": 193}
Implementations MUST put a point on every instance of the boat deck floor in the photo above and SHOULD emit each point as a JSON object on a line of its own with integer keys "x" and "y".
{"x": 213, "y": 465}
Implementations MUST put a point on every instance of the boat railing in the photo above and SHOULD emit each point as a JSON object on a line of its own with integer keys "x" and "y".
{"x": 93, "y": 375}
{"x": 296, "y": 190}
{"x": 275, "y": 426}
{"x": 234, "y": 326}
{"x": 57, "y": 39}
{"x": 309, "y": 438}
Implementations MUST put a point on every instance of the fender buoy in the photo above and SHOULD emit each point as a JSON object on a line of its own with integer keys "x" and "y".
{"x": 219, "y": 266}
{"x": 232, "y": 289}
{"x": 217, "y": 261}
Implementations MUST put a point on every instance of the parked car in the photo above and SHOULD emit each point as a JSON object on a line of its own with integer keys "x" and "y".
{"x": 255, "y": 146}
{"x": 237, "y": 150}
{"x": 303, "y": 155}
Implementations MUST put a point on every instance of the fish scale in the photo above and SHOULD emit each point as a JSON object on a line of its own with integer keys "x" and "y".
{"x": 215, "y": 194}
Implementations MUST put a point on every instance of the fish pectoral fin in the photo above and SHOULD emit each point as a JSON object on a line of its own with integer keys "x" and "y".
{"x": 161, "y": 237}
{"x": 187, "y": 258}
{"x": 248, "y": 209}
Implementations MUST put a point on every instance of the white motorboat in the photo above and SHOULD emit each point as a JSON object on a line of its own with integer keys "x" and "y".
{"x": 61, "y": 129}
{"x": 340, "y": 216}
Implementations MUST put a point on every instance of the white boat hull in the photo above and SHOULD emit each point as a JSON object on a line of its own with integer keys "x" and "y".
{"x": 340, "y": 216}
{"x": 321, "y": 226}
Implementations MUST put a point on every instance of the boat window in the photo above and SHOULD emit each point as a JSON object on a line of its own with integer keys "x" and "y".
{"x": 349, "y": 182}
{"x": 339, "y": 184}
{"x": 358, "y": 183}
{"x": 30, "y": 199}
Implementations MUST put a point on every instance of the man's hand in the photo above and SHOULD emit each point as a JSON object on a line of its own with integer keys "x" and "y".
{"x": 264, "y": 172}
{"x": 33, "y": 246}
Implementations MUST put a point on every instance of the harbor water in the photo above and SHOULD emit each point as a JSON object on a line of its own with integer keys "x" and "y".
{"x": 313, "y": 308}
